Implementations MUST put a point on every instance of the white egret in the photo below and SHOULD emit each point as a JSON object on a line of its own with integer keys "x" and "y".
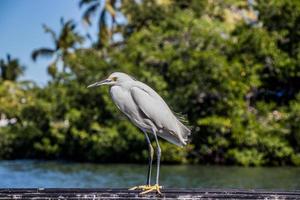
{"x": 149, "y": 112}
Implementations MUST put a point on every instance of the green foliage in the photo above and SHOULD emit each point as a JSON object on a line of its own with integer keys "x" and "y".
{"x": 6, "y": 143}
{"x": 64, "y": 44}
{"x": 246, "y": 157}
{"x": 107, "y": 12}
{"x": 233, "y": 72}
{"x": 10, "y": 69}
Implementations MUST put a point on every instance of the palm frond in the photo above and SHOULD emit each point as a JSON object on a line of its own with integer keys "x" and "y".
{"x": 46, "y": 52}
{"x": 82, "y": 2}
{"x": 51, "y": 32}
{"x": 104, "y": 33}
{"x": 62, "y": 21}
{"x": 70, "y": 25}
{"x": 109, "y": 6}
{"x": 89, "y": 12}
{"x": 11, "y": 69}
{"x": 8, "y": 57}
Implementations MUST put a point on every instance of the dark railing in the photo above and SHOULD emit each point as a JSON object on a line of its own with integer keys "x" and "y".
{"x": 121, "y": 193}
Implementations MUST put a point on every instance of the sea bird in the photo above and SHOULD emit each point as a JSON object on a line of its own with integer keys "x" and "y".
{"x": 149, "y": 112}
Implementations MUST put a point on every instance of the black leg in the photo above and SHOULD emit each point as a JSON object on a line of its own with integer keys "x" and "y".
{"x": 158, "y": 152}
{"x": 150, "y": 148}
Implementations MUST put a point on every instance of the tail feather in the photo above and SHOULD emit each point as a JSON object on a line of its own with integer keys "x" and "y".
{"x": 185, "y": 132}
{"x": 178, "y": 134}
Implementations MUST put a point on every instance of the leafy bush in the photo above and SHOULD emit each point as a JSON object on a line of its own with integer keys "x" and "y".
{"x": 232, "y": 67}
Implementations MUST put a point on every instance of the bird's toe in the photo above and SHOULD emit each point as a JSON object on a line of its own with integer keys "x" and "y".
{"x": 153, "y": 188}
{"x": 140, "y": 187}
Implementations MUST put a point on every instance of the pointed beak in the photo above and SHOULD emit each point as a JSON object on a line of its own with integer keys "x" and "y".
{"x": 104, "y": 82}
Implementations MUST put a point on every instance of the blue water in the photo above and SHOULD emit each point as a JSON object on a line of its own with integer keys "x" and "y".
{"x": 61, "y": 174}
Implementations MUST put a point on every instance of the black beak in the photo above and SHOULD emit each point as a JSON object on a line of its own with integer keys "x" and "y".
{"x": 99, "y": 83}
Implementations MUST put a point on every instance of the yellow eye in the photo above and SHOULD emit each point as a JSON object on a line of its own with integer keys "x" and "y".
{"x": 114, "y": 78}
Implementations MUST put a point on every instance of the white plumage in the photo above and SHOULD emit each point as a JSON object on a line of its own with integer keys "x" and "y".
{"x": 148, "y": 111}
{"x": 145, "y": 108}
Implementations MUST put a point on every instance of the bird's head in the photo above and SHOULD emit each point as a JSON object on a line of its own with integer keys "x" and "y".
{"x": 113, "y": 79}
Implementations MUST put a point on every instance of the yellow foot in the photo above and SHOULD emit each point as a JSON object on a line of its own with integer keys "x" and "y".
{"x": 155, "y": 187}
{"x": 147, "y": 188}
{"x": 140, "y": 187}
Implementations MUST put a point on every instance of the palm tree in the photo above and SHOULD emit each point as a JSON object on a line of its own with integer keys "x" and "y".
{"x": 108, "y": 9}
{"x": 64, "y": 43}
{"x": 10, "y": 69}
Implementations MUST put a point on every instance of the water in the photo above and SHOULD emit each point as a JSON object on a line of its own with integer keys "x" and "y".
{"x": 61, "y": 174}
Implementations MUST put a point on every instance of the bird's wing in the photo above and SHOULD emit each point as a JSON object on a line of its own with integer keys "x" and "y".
{"x": 154, "y": 107}
{"x": 151, "y": 106}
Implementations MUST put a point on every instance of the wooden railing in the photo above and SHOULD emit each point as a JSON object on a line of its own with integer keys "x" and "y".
{"x": 121, "y": 193}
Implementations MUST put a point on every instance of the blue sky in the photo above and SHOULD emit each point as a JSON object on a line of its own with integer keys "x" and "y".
{"x": 21, "y": 30}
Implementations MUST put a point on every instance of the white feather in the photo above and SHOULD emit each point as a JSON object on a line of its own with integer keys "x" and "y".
{"x": 145, "y": 108}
